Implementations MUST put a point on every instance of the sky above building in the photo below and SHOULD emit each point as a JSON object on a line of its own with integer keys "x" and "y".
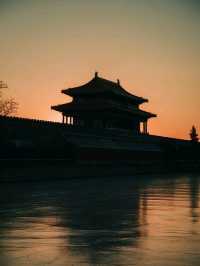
{"x": 152, "y": 46}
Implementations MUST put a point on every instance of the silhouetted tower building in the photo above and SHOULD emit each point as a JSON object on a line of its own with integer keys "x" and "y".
{"x": 102, "y": 103}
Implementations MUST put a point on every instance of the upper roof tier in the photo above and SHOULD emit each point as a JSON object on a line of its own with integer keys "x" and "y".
{"x": 100, "y": 85}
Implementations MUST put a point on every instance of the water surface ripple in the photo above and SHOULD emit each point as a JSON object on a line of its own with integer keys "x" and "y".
{"x": 144, "y": 221}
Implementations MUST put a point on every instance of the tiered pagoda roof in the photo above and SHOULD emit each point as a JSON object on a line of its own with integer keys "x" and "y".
{"x": 104, "y": 103}
{"x": 97, "y": 87}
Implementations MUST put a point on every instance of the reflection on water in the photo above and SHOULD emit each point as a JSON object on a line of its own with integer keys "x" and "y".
{"x": 115, "y": 221}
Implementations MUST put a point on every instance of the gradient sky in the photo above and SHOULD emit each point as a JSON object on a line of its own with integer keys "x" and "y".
{"x": 152, "y": 46}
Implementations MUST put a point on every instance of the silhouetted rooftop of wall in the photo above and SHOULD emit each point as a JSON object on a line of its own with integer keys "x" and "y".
{"x": 116, "y": 134}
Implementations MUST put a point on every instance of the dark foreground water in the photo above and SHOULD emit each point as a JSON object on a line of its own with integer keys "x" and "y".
{"x": 152, "y": 221}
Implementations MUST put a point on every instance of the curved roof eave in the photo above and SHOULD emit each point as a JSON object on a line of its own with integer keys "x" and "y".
{"x": 100, "y": 85}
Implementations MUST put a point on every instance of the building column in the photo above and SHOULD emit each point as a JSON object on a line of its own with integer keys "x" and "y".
{"x": 63, "y": 118}
{"x": 71, "y": 120}
{"x": 145, "y": 131}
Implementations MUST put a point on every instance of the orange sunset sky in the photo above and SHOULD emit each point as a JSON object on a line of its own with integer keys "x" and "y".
{"x": 152, "y": 46}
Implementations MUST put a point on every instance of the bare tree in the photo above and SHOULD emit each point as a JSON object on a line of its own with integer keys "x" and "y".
{"x": 7, "y": 106}
{"x": 193, "y": 134}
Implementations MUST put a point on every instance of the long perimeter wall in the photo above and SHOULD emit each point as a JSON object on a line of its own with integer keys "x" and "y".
{"x": 39, "y": 137}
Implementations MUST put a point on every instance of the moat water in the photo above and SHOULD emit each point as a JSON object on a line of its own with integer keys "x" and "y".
{"x": 151, "y": 220}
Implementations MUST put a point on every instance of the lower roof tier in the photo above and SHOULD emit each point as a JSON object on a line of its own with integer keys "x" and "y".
{"x": 74, "y": 108}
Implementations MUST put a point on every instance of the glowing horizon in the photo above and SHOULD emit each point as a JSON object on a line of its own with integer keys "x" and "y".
{"x": 151, "y": 46}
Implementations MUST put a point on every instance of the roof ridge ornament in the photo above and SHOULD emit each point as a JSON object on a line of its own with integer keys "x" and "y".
{"x": 118, "y": 82}
{"x": 96, "y": 74}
